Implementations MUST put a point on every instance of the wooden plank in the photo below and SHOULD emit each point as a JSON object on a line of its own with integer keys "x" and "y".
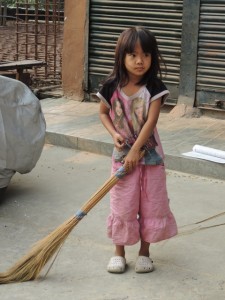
{"x": 22, "y": 64}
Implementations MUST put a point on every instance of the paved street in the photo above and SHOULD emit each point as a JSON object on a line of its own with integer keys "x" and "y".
{"x": 187, "y": 267}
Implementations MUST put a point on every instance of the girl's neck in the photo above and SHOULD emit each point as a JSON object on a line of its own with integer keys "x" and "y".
{"x": 131, "y": 88}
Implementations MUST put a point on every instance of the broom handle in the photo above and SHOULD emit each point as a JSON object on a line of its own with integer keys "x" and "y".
{"x": 121, "y": 172}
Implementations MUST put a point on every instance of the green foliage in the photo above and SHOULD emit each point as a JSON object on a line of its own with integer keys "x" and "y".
{"x": 13, "y": 2}
{"x": 41, "y": 3}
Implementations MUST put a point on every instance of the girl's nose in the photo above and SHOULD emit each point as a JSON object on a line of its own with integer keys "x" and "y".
{"x": 139, "y": 60}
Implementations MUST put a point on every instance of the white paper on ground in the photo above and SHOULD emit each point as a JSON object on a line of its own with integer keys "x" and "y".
{"x": 207, "y": 153}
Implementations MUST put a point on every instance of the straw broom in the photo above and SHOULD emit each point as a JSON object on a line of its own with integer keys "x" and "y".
{"x": 30, "y": 265}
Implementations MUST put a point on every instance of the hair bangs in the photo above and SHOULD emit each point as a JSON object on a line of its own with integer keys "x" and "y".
{"x": 147, "y": 41}
{"x": 131, "y": 41}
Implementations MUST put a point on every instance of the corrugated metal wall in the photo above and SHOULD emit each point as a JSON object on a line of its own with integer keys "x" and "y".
{"x": 109, "y": 18}
{"x": 211, "y": 52}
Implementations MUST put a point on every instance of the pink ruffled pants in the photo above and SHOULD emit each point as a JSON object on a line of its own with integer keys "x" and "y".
{"x": 140, "y": 207}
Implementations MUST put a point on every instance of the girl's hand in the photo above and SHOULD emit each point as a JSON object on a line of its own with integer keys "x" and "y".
{"x": 118, "y": 141}
{"x": 131, "y": 160}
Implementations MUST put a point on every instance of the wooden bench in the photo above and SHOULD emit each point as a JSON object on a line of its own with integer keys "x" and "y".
{"x": 20, "y": 66}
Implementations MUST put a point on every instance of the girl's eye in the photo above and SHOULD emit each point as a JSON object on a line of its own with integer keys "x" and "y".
{"x": 147, "y": 54}
{"x": 131, "y": 54}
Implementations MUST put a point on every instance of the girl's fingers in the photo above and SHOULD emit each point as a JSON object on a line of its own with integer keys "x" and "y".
{"x": 119, "y": 146}
{"x": 129, "y": 165}
{"x": 118, "y": 142}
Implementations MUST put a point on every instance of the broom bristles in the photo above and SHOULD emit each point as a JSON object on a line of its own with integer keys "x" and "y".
{"x": 31, "y": 264}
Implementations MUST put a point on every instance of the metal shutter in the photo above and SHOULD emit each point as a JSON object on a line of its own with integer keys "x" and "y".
{"x": 211, "y": 53}
{"x": 109, "y": 18}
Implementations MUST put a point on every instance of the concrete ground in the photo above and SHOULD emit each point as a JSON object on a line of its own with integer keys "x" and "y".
{"x": 187, "y": 267}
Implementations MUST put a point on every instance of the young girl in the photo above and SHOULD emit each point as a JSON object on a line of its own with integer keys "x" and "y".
{"x": 139, "y": 203}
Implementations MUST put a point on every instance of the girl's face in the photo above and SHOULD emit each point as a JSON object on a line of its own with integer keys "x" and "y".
{"x": 118, "y": 109}
{"x": 139, "y": 111}
{"x": 137, "y": 63}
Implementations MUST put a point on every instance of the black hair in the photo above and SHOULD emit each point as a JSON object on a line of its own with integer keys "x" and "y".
{"x": 126, "y": 44}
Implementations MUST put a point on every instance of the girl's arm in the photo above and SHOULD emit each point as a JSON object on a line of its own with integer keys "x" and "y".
{"x": 107, "y": 122}
{"x": 132, "y": 157}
